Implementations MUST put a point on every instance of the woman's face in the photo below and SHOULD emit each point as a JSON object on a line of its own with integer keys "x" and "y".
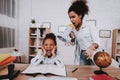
{"x": 75, "y": 19}
{"x": 48, "y": 46}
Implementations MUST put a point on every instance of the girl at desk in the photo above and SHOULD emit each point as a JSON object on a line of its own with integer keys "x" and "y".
{"x": 48, "y": 53}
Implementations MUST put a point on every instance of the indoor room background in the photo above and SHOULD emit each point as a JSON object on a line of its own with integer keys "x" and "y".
{"x": 104, "y": 13}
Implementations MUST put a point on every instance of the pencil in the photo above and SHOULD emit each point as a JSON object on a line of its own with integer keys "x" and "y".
{"x": 74, "y": 70}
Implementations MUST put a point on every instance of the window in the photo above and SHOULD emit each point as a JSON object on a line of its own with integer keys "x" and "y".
{"x": 7, "y": 7}
{"x": 7, "y": 37}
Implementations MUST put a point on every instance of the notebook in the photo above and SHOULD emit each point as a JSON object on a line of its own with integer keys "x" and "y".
{"x": 101, "y": 77}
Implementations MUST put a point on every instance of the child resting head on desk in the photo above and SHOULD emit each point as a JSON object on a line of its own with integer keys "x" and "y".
{"x": 48, "y": 53}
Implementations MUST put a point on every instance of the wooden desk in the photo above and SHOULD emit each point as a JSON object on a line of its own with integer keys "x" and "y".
{"x": 83, "y": 72}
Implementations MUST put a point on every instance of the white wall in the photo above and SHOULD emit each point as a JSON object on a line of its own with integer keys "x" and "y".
{"x": 24, "y": 24}
{"x": 106, "y": 13}
{"x": 54, "y": 11}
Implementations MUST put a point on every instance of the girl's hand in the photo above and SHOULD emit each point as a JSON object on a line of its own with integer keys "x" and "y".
{"x": 54, "y": 51}
{"x": 44, "y": 51}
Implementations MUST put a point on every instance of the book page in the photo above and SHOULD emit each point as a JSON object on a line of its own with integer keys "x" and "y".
{"x": 52, "y": 78}
{"x": 48, "y": 68}
{"x": 56, "y": 70}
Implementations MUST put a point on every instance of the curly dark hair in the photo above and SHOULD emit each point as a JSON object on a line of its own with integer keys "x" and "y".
{"x": 50, "y": 36}
{"x": 80, "y": 7}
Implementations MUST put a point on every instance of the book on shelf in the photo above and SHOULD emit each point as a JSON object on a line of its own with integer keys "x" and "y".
{"x": 45, "y": 69}
{"x": 101, "y": 77}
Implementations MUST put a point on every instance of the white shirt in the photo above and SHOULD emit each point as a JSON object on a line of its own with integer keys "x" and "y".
{"x": 86, "y": 36}
{"x": 84, "y": 39}
{"x": 40, "y": 59}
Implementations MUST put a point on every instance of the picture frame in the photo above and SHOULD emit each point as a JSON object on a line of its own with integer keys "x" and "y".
{"x": 104, "y": 33}
{"x": 46, "y": 25}
{"x": 61, "y": 28}
{"x": 91, "y": 22}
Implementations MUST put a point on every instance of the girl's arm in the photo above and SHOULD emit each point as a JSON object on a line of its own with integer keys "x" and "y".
{"x": 56, "y": 58}
{"x": 58, "y": 61}
{"x": 39, "y": 58}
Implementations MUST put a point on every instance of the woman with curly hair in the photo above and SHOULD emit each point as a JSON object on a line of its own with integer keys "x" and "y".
{"x": 86, "y": 37}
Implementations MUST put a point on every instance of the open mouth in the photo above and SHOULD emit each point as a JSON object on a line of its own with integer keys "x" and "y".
{"x": 73, "y": 23}
{"x": 49, "y": 51}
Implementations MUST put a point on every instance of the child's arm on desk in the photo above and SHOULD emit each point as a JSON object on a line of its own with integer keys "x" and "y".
{"x": 38, "y": 59}
{"x": 58, "y": 61}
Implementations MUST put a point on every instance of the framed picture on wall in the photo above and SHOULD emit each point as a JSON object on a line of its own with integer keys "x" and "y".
{"x": 46, "y": 25}
{"x": 91, "y": 22}
{"x": 61, "y": 28}
{"x": 104, "y": 33}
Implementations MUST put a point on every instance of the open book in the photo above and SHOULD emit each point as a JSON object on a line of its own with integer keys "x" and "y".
{"x": 52, "y": 78}
{"x": 45, "y": 68}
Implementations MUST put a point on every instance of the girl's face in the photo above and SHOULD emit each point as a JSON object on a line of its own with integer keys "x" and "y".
{"x": 48, "y": 46}
{"x": 75, "y": 19}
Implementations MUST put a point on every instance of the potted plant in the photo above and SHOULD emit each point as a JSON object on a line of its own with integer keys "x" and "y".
{"x": 33, "y": 22}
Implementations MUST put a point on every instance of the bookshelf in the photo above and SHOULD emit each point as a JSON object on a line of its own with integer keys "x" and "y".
{"x": 116, "y": 43}
{"x": 36, "y": 36}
